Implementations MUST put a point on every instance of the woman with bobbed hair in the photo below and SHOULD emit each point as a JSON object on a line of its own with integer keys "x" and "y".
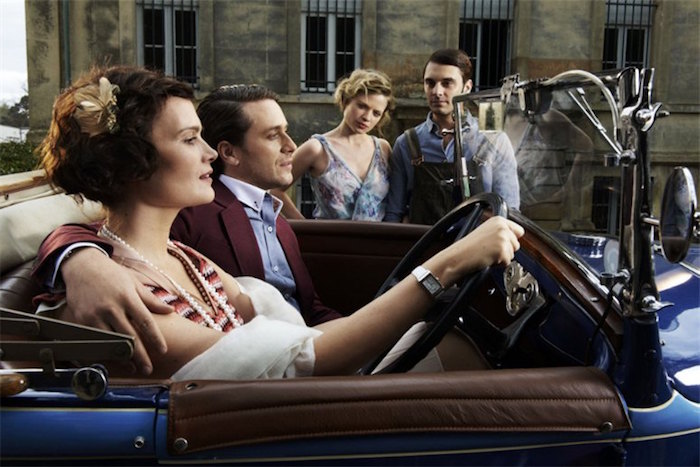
{"x": 131, "y": 138}
{"x": 92, "y": 150}
{"x": 349, "y": 169}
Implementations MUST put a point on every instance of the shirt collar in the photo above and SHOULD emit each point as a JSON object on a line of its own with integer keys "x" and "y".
{"x": 250, "y": 195}
{"x": 467, "y": 122}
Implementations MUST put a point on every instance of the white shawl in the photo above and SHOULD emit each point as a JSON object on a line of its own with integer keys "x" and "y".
{"x": 275, "y": 344}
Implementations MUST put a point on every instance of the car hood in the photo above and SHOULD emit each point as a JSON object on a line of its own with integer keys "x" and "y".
{"x": 679, "y": 322}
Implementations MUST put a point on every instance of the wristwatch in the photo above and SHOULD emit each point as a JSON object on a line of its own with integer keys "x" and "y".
{"x": 429, "y": 282}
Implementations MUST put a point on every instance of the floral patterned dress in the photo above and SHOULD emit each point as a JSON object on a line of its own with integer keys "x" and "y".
{"x": 340, "y": 194}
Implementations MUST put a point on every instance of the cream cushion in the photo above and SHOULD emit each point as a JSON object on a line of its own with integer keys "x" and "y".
{"x": 24, "y": 225}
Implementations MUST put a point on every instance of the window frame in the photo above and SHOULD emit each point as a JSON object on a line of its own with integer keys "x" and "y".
{"x": 623, "y": 16}
{"x": 331, "y": 16}
{"x": 482, "y": 11}
{"x": 170, "y": 46}
{"x": 605, "y": 203}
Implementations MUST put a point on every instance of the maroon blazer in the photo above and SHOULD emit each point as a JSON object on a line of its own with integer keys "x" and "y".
{"x": 219, "y": 230}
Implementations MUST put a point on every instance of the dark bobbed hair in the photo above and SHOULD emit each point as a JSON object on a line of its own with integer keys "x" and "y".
{"x": 454, "y": 57}
{"x": 223, "y": 117}
{"x": 100, "y": 167}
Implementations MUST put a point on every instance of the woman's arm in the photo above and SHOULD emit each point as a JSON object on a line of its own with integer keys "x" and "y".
{"x": 289, "y": 208}
{"x": 308, "y": 158}
{"x": 349, "y": 343}
{"x": 186, "y": 339}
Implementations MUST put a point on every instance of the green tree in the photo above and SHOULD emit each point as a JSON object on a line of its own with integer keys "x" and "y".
{"x": 17, "y": 115}
{"x": 17, "y": 157}
{"x": 4, "y": 109}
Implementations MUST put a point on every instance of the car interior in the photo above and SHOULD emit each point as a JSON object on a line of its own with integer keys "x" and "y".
{"x": 511, "y": 322}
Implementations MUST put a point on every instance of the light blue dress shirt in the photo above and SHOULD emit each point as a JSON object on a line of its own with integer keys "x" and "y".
{"x": 262, "y": 209}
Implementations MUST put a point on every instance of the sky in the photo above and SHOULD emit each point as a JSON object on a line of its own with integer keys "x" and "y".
{"x": 13, "y": 52}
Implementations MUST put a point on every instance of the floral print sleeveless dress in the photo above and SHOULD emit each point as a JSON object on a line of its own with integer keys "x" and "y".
{"x": 340, "y": 194}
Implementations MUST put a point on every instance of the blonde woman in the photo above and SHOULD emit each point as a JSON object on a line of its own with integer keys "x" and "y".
{"x": 349, "y": 169}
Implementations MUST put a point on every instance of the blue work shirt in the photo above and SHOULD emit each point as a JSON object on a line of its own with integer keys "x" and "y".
{"x": 498, "y": 167}
{"x": 262, "y": 209}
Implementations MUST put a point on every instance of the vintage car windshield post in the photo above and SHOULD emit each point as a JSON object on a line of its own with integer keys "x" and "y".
{"x": 647, "y": 384}
{"x": 582, "y": 351}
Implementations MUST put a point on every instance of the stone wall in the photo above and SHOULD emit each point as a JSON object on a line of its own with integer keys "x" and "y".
{"x": 254, "y": 41}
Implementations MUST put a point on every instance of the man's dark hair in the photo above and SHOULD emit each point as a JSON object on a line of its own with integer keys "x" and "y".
{"x": 223, "y": 118}
{"x": 454, "y": 57}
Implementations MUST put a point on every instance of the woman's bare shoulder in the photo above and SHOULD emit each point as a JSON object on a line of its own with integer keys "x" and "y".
{"x": 385, "y": 148}
{"x": 312, "y": 147}
{"x": 310, "y": 157}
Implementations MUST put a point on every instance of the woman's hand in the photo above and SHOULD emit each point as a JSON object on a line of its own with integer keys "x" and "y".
{"x": 496, "y": 241}
{"x": 493, "y": 242}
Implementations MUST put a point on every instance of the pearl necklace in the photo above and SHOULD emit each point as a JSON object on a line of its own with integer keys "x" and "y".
{"x": 228, "y": 310}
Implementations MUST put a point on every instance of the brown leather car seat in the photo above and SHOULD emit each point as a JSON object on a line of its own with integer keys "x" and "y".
{"x": 17, "y": 288}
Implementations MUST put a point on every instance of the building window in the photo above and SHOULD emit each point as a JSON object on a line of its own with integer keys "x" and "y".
{"x": 485, "y": 29}
{"x": 167, "y": 37}
{"x": 305, "y": 196}
{"x": 627, "y": 30}
{"x": 605, "y": 204}
{"x": 330, "y": 49}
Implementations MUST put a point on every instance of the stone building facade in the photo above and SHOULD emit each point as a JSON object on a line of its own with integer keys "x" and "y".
{"x": 264, "y": 42}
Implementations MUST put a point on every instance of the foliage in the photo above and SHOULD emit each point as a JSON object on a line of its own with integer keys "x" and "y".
{"x": 17, "y": 157}
{"x": 16, "y": 115}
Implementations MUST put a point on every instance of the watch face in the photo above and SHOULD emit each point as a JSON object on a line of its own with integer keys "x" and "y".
{"x": 432, "y": 285}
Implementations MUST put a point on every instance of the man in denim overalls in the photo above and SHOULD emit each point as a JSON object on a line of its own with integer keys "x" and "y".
{"x": 421, "y": 182}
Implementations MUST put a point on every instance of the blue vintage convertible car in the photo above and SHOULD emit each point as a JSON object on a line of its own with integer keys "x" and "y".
{"x": 583, "y": 351}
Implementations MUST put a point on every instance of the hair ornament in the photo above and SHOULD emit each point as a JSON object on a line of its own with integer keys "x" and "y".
{"x": 96, "y": 110}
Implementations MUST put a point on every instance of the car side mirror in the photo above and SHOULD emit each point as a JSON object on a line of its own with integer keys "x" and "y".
{"x": 677, "y": 214}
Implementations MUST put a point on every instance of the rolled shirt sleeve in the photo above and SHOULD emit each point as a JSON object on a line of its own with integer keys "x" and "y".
{"x": 504, "y": 172}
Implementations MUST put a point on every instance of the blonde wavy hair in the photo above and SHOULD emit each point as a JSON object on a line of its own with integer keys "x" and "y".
{"x": 366, "y": 81}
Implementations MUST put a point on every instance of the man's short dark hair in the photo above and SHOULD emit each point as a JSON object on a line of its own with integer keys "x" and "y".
{"x": 223, "y": 118}
{"x": 454, "y": 57}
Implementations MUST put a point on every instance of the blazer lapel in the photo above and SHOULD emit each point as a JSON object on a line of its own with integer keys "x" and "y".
{"x": 239, "y": 232}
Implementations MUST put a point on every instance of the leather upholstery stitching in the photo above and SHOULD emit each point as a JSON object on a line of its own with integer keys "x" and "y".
{"x": 402, "y": 400}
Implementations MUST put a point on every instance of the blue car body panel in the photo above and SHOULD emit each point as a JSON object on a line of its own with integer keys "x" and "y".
{"x": 70, "y": 430}
{"x": 665, "y": 435}
{"x": 679, "y": 322}
{"x": 57, "y": 425}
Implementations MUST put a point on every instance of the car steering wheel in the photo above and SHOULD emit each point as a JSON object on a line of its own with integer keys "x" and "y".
{"x": 462, "y": 220}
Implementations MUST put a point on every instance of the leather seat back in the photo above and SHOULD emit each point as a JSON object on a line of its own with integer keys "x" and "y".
{"x": 23, "y": 226}
{"x": 17, "y": 288}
